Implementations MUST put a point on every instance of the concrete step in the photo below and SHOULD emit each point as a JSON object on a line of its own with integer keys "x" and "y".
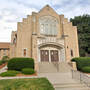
{"x": 64, "y": 67}
{"x": 71, "y": 89}
{"x": 45, "y": 67}
{"x": 71, "y": 86}
{"x": 54, "y": 67}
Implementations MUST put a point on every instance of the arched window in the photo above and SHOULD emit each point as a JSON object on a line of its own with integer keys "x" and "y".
{"x": 48, "y": 25}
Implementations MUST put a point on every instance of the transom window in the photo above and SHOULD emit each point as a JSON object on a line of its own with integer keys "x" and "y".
{"x": 48, "y": 25}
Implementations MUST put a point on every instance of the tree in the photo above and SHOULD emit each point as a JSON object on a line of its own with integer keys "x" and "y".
{"x": 83, "y": 26}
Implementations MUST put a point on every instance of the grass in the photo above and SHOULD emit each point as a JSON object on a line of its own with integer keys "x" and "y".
{"x": 26, "y": 84}
{"x": 9, "y": 73}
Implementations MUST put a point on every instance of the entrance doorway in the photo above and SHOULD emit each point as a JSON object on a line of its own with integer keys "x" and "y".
{"x": 49, "y": 55}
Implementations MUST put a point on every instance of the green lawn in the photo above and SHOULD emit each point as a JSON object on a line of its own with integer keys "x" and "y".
{"x": 26, "y": 84}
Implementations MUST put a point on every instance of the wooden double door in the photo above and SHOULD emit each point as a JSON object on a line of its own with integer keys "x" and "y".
{"x": 45, "y": 55}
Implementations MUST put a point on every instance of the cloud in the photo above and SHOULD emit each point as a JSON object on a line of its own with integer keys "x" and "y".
{"x": 12, "y": 11}
{"x": 71, "y": 8}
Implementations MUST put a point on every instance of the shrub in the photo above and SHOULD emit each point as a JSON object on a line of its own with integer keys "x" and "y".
{"x": 82, "y": 62}
{"x": 1, "y": 63}
{"x": 9, "y": 73}
{"x": 5, "y": 58}
{"x": 86, "y": 69}
{"x": 28, "y": 71}
{"x": 4, "y": 61}
{"x": 20, "y": 63}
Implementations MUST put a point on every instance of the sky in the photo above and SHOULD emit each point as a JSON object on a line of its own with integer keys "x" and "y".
{"x": 12, "y": 11}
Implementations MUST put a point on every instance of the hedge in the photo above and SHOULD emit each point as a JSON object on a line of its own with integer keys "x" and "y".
{"x": 82, "y": 62}
{"x": 9, "y": 73}
{"x": 86, "y": 69}
{"x": 28, "y": 71}
{"x": 19, "y": 63}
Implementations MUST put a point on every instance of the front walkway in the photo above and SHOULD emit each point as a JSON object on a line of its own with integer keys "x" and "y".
{"x": 64, "y": 81}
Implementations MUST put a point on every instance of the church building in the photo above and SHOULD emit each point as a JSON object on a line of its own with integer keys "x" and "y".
{"x": 45, "y": 36}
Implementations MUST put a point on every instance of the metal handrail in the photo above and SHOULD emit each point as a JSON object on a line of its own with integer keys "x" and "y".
{"x": 82, "y": 77}
{"x": 56, "y": 64}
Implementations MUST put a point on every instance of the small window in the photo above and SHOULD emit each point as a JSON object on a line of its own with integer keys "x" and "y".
{"x": 72, "y": 53}
{"x": 24, "y": 52}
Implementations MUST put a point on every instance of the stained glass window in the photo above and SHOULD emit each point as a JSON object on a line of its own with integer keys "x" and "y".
{"x": 48, "y": 25}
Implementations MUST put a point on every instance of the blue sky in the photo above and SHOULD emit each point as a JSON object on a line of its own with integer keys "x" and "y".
{"x": 12, "y": 11}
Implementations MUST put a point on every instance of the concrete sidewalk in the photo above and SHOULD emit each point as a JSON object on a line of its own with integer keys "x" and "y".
{"x": 64, "y": 81}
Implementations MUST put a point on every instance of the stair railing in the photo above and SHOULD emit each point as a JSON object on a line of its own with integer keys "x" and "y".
{"x": 82, "y": 77}
{"x": 56, "y": 64}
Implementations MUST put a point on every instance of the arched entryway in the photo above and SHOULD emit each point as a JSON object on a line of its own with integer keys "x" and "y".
{"x": 50, "y": 52}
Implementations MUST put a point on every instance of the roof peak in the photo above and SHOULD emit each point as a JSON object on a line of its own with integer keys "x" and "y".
{"x": 47, "y": 6}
